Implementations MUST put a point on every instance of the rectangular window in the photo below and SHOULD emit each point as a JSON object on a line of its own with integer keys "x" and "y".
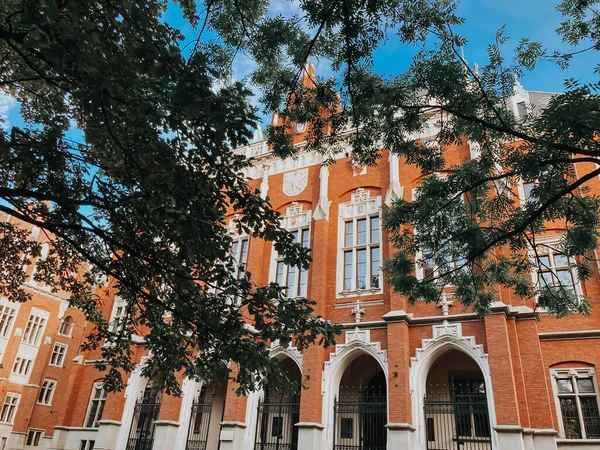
{"x": 58, "y": 355}
{"x": 555, "y": 270}
{"x": 294, "y": 279}
{"x": 9, "y": 408}
{"x": 46, "y": 392}
{"x": 33, "y": 437}
{"x": 34, "y": 329}
{"x": 96, "y": 407}
{"x": 362, "y": 254}
{"x": 22, "y": 366}
{"x": 119, "y": 316}
{"x": 7, "y": 317}
{"x": 578, "y": 404}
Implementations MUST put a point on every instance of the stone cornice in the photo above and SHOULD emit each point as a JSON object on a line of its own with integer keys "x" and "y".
{"x": 566, "y": 335}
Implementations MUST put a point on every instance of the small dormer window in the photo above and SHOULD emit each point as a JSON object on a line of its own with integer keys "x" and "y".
{"x": 300, "y": 127}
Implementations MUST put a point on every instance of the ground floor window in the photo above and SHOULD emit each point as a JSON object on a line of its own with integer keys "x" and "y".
{"x": 577, "y": 397}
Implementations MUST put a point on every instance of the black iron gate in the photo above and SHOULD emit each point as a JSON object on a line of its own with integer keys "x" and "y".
{"x": 276, "y": 423}
{"x": 457, "y": 422}
{"x": 200, "y": 421}
{"x": 360, "y": 418}
{"x": 141, "y": 434}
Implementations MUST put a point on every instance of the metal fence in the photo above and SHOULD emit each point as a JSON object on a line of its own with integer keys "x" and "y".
{"x": 197, "y": 438}
{"x": 276, "y": 424}
{"x": 457, "y": 422}
{"x": 141, "y": 434}
{"x": 360, "y": 417}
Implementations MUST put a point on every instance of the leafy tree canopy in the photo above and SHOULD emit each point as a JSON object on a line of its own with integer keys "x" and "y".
{"x": 141, "y": 194}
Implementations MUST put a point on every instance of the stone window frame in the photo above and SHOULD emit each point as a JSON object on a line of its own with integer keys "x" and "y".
{"x": 34, "y": 436}
{"x": 60, "y": 356}
{"x": 47, "y": 391}
{"x": 549, "y": 245}
{"x": 296, "y": 220}
{"x": 35, "y": 327}
{"x": 573, "y": 373}
{"x": 361, "y": 205}
{"x": 98, "y": 411}
{"x": 9, "y": 410}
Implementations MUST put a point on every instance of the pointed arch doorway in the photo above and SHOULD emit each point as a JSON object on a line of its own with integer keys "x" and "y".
{"x": 455, "y": 405}
{"x": 360, "y": 410}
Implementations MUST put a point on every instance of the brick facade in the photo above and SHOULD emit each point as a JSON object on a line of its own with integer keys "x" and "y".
{"x": 515, "y": 351}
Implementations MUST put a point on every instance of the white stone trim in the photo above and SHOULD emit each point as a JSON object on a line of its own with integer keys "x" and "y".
{"x": 135, "y": 385}
{"x": 357, "y": 343}
{"x": 447, "y": 336}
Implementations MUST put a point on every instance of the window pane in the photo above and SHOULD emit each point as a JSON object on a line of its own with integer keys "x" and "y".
{"x": 427, "y": 263}
{"x": 295, "y": 234}
{"x": 565, "y": 386}
{"x": 546, "y": 279}
{"x": 234, "y": 250}
{"x": 281, "y": 273}
{"x": 244, "y": 252}
{"x": 361, "y": 279}
{"x": 375, "y": 267}
{"x": 361, "y": 231}
{"x": 305, "y": 242}
{"x": 528, "y": 187}
{"x": 349, "y": 236}
{"x": 561, "y": 260}
{"x": 585, "y": 385}
{"x": 375, "y": 230}
{"x": 348, "y": 271}
{"x": 591, "y": 416}
{"x": 347, "y": 428}
{"x": 291, "y": 281}
{"x": 565, "y": 278}
{"x": 303, "y": 282}
{"x": 543, "y": 262}
{"x": 570, "y": 418}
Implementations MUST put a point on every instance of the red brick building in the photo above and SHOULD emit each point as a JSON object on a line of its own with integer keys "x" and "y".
{"x": 401, "y": 377}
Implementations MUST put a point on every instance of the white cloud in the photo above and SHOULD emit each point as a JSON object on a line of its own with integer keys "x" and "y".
{"x": 6, "y": 104}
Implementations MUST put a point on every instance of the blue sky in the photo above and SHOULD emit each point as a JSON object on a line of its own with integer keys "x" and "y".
{"x": 536, "y": 19}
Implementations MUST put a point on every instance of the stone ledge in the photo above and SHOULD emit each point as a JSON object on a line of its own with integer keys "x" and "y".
{"x": 233, "y": 424}
{"x": 309, "y": 425}
{"x": 172, "y": 423}
{"x": 400, "y": 427}
{"x": 509, "y": 429}
{"x": 593, "y": 443}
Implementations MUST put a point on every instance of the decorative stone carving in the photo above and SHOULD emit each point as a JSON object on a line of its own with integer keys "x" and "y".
{"x": 322, "y": 210}
{"x": 295, "y": 216}
{"x": 447, "y": 329}
{"x": 295, "y": 182}
{"x": 356, "y": 339}
{"x": 361, "y": 204}
{"x": 264, "y": 185}
{"x": 445, "y": 304}
{"x": 357, "y": 312}
{"x": 395, "y": 190}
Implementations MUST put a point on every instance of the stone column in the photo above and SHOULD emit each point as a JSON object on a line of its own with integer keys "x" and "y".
{"x": 108, "y": 431}
{"x": 509, "y": 429}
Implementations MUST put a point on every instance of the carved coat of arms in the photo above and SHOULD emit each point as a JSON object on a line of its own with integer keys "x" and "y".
{"x": 295, "y": 182}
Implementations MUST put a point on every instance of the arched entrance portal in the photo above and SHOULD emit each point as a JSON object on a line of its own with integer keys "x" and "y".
{"x": 279, "y": 412}
{"x": 360, "y": 410}
{"x": 206, "y": 417}
{"x": 455, "y": 404}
